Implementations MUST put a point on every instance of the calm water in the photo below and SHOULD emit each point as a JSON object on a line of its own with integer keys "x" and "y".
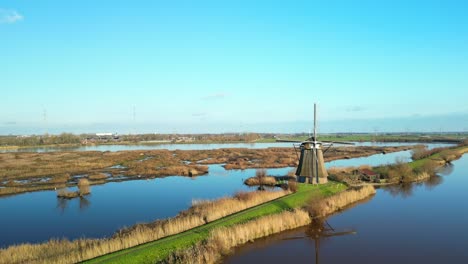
{"x": 198, "y": 146}
{"x": 418, "y": 223}
{"x": 38, "y": 216}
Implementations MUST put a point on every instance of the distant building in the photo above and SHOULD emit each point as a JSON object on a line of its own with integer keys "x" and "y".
{"x": 107, "y": 135}
{"x": 366, "y": 174}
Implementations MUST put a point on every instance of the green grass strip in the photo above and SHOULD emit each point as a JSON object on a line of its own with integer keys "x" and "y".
{"x": 160, "y": 249}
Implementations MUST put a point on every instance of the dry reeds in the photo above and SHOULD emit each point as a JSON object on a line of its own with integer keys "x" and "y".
{"x": 97, "y": 176}
{"x": 222, "y": 240}
{"x": 64, "y": 251}
{"x": 254, "y": 181}
{"x": 212, "y": 210}
{"x": 83, "y": 187}
{"x": 261, "y": 178}
{"x": 338, "y": 201}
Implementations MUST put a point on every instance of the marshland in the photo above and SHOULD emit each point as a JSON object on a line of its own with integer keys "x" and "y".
{"x": 115, "y": 205}
{"x": 142, "y": 132}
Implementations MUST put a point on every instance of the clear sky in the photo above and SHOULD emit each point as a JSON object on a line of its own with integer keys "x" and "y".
{"x": 217, "y": 66}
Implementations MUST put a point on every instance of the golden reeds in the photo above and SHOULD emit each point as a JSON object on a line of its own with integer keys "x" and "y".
{"x": 339, "y": 201}
{"x": 64, "y": 251}
{"x": 222, "y": 240}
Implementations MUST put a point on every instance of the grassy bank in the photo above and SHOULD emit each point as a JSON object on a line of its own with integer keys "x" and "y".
{"x": 160, "y": 249}
{"x": 401, "y": 172}
{"x": 222, "y": 240}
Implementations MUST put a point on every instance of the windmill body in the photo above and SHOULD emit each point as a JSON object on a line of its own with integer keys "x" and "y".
{"x": 311, "y": 168}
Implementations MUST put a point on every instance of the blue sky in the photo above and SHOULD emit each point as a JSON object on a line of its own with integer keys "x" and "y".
{"x": 218, "y": 66}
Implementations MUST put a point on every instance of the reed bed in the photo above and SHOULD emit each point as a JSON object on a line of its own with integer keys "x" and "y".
{"x": 339, "y": 201}
{"x": 261, "y": 178}
{"x": 202, "y": 212}
{"x": 222, "y": 240}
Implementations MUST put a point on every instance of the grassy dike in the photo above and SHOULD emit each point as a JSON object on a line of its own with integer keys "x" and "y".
{"x": 458, "y": 152}
{"x": 160, "y": 249}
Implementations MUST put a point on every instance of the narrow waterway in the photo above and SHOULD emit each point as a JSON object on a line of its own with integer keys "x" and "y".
{"x": 414, "y": 223}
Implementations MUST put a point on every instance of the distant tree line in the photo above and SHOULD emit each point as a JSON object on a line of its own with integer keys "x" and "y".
{"x": 64, "y": 138}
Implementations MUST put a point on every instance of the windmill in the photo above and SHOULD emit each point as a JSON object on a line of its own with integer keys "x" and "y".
{"x": 321, "y": 229}
{"x": 311, "y": 168}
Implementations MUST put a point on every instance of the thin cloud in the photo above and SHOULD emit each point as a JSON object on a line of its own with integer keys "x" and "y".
{"x": 214, "y": 96}
{"x": 8, "y": 16}
{"x": 355, "y": 108}
{"x": 199, "y": 114}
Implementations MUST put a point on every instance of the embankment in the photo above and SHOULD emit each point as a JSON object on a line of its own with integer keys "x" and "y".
{"x": 223, "y": 240}
{"x": 201, "y": 213}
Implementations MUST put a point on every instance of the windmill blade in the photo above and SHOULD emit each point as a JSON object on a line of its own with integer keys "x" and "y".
{"x": 315, "y": 122}
{"x": 344, "y": 233}
{"x": 294, "y": 238}
{"x": 288, "y": 141}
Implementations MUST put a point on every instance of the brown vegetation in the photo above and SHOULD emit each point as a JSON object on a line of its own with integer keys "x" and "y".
{"x": 97, "y": 176}
{"x": 202, "y": 212}
{"x": 292, "y": 186}
{"x": 222, "y": 240}
{"x": 83, "y": 189}
{"x": 60, "y": 166}
{"x": 339, "y": 201}
{"x": 421, "y": 152}
{"x": 261, "y": 179}
{"x": 401, "y": 172}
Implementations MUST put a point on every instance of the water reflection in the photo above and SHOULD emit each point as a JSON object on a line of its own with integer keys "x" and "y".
{"x": 62, "y": 204}
{"x": 320, "y": 230}
{"x": 401, "y": 224}
{"x": 84, "y": 203}
{"x": 446, "y": 170}
{"x": 433, "y": 181}
{"x": 406, "y": 190}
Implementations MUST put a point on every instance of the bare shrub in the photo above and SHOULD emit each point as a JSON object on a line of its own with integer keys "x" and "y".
{"x": 292, "y": 186}
{"x": 261, "y": 173}
{"x": 254, "y": 181}
{"x": 83, "y": 187}
{"x": 67, "y": 194}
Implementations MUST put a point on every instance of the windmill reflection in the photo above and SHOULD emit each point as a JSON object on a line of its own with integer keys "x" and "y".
{"x": 318, "y": 230}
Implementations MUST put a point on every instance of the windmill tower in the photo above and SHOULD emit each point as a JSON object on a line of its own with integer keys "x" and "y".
{"x": 311, "y": 168}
